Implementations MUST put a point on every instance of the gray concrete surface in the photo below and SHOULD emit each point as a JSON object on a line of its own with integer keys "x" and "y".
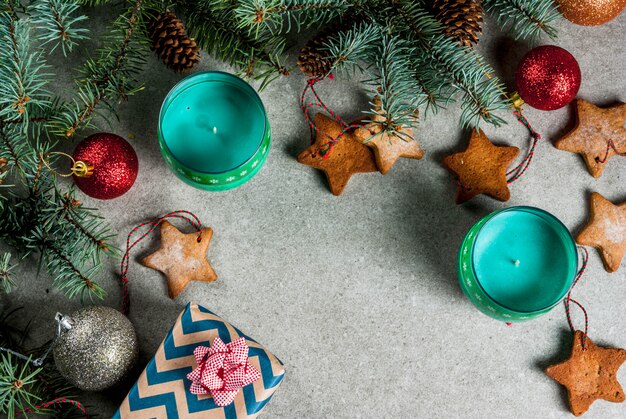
{"x": 358, "y": 295}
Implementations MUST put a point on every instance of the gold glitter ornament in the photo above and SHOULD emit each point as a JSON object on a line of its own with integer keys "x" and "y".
{"x": 97, "y": 346}
{"x": 591, "y": 12}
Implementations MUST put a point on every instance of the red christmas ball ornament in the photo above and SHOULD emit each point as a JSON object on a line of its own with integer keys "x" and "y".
{"x": 548, "y": 77}
{"x": 109, "y": 166}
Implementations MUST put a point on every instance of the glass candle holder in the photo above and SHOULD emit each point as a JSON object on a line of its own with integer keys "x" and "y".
{"x": 213, "y": 131}
{"x": 517, "y": 263}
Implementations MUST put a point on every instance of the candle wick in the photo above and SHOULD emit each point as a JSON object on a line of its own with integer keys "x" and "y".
{"x": 516, "y": 262}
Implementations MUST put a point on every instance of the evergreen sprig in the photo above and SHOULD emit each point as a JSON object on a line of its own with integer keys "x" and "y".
{"x": 525, "y": 19}
{"x": 109, "y": 78}
{"x": 214, "y": 25}
{"x": 57, "y": 22}
{"x": 351, "y": 50}
{"x": 17, "y": 382}
{"x": 22, "y": 71}
{"x": 395, "y": 87}
{"x": 6, "y": 277}
{"x": 282, "y": 16}
{"x": 466, "y": 73}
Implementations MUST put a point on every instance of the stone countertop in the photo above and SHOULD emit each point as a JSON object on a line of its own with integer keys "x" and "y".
{"x": 358, "y": 294}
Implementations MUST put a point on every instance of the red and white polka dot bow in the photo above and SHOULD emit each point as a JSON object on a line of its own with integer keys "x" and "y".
{"x": 222, "y": 370}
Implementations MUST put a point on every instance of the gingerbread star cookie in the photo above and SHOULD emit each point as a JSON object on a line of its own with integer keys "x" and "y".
{"x": 481, "y": 168}
{"x": 595, "y": 127}
{"x": 388, "y": 147}
{"x": 589, "y": 374}
{"x": 606, "y": 231}
{"x": 182, "y": 258}
{"x": 347, "y": 157}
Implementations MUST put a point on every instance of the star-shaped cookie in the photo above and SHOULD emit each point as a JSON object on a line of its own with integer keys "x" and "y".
{"x": 606, "y": 230}
{"x": 481, "y": 168}
{"x": 589, "y": 374}
{"x": 594, "y": 128}
{"x": 182, "y": 258}
{"x": 346, "y": 158}
{"x": 388, "y": 147}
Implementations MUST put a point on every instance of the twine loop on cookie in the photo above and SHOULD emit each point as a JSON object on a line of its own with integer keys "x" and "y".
{"x": 569, "y": 299}
{"x": 609, "y": 145}
{"x": 190, "y": 217}
{"x": 324, "y": 149}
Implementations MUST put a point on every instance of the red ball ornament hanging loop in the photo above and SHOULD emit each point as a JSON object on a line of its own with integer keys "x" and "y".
{"x": 79, "y": 168}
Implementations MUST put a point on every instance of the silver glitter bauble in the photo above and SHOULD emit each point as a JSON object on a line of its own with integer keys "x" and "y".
{"x": 96, "y": 348}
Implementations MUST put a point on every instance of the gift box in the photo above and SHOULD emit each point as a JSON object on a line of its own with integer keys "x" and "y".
{"x": 200, "y": 354}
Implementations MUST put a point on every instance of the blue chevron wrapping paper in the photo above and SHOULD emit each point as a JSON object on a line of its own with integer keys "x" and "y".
{"x": 162, "y": 390}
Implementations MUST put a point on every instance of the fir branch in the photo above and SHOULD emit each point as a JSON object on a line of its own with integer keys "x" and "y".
{"x": 279, "y": 16}
{"x": 16, "y": 385}
{"x": 410, "y": 17}
{"x": 36, "y": 178}
{"x": 110, "y": 76}
{"x": 12, "y": 148}
{"x": 464, "y": 71}
{"x": 395, "y": 86}
{"x": 351, "y": 50}
{"x": 6, "y": 278}
{"x": 69, "y": 238}
{"x": 85, "y": 229}
{"x": 68, "y": 277}
{"x": 525, "y": 19}
{"x": 214, "y": 27}
{"x": 12, "y": 7}
{"x": 55, "y": 20}
{"x": 35, "y": 119}
{"x": 437, "y": 95}
{"x": 22, "y": 71}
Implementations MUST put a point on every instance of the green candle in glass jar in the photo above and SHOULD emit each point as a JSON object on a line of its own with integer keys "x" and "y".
{"x": 517, "y": 263}
{"x": 213, "y": 131}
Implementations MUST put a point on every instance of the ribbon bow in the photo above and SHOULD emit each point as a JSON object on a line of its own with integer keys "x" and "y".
{"x": 223, "y": 369}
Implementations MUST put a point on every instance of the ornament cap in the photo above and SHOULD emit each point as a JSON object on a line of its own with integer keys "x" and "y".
{"x": 81, "y": 169}
{"x": 516, "y": 100}
{"x": 64, "y": 322}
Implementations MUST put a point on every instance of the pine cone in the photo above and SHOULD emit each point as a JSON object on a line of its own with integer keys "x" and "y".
{"x": 461, "y": 19}
{"x": 172, "y": 44}
{"x": 313, "y": 61}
